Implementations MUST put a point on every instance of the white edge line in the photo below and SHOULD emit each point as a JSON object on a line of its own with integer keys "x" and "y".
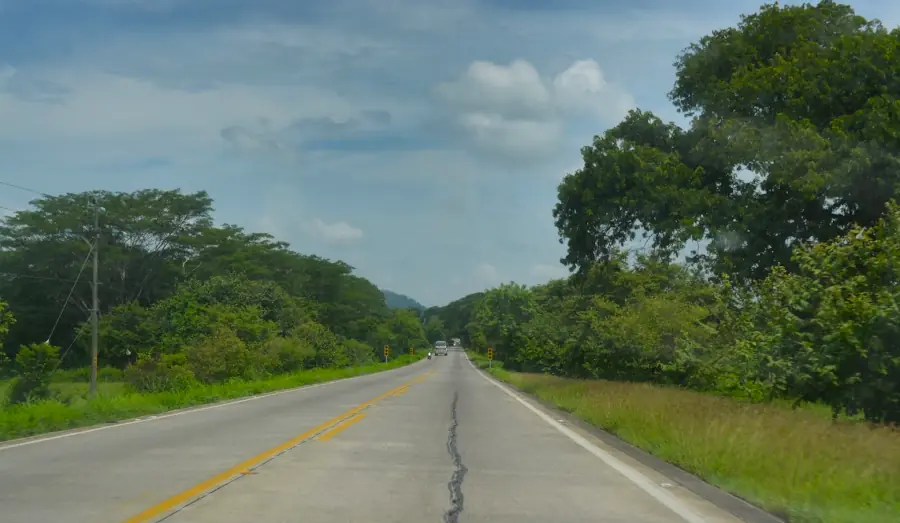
{"x": 189, "y": 410}
{"x": 658, "y": 493}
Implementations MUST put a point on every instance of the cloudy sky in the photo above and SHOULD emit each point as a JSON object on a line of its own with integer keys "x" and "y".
{"x": 421, "y": 141}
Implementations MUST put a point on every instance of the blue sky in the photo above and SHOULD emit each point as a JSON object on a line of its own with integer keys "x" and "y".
{"x": 421, "y": 141}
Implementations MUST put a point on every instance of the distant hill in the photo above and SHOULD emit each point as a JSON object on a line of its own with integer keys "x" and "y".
{"x": 399, "y": 301}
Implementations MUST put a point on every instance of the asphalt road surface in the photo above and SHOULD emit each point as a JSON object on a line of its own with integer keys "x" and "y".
{"x": 434, "y": 441}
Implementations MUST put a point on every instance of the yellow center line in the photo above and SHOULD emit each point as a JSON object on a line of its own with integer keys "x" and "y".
{"x": 402, "y": 390}
{"x": 420, "y": 379}
{"x": 332, "y": 432}
{"x": 243, "y": 468}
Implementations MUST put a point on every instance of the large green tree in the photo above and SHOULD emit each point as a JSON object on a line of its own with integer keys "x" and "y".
{"x": 145, "y": 238}
{"x": 793, "y": 138}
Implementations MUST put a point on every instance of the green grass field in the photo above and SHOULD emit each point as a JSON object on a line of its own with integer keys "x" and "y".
{"x": 70, "y": 407}
{"x": 796, "y": 463}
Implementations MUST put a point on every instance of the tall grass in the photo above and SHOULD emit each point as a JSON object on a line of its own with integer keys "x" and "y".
{"x": 71, "y": 408}
{"x": 796, "y": 463}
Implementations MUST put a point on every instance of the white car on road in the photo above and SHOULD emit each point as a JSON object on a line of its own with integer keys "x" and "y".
{"x": 440, "y": 348}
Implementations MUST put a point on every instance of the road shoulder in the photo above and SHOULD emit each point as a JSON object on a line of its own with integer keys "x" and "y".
{"x": 659, "y": 470}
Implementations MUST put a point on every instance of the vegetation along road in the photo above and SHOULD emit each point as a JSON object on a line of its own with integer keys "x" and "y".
{"x": 653, "y": 384}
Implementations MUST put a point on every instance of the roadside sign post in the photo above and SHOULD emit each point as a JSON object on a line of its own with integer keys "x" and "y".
{"x": 490, "y": 357}
{"x": 412, "y": 353}
{"x": 387, "y": 351}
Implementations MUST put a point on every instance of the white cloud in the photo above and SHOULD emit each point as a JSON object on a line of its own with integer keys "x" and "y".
{"x": 511, "y": 109}
{"x": 337, "y": 232}
{"x": 582, "y": 87}
{"x": 514, "y": 90}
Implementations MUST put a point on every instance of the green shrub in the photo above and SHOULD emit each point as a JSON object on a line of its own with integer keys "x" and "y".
{"x": 35, "y": 364}
{"x": 184, "y": 326}
{"x": 219, "y": 357}
{"x": 283, "y": 355}
{"x": 16, "y": 392}
{"x": 327, "y": 346}
{"x": 126, "y": 330}
{"x": 164, "y": 373}
{"x": 358, "y": 352}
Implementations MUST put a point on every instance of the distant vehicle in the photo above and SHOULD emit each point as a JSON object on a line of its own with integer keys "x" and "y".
{"x": 440, "y": 348}
{"x": 456, "y": 342}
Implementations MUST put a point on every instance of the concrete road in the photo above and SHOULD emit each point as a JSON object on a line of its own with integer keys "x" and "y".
{"x": 435, "y": 441}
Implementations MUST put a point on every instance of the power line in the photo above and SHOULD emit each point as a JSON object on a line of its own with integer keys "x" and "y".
{"x": 72, "y": 290}
{"x": 21, "y": 188}
{"x": 63, "y": 355}
{"x": 14, "y": 186}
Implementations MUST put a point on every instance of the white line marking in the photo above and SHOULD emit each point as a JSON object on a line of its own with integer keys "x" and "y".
{"x": 189, "y": 410}
{"x": 659, "y": 494}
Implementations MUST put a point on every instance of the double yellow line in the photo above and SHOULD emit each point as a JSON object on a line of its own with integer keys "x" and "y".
{"x": 337, "y": 429}
{"x": 336, "y": 424}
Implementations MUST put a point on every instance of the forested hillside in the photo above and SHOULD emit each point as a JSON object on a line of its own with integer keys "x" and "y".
{"x": 788, "y": 170}
{"x": 182, "y": 301}
{"x": 400, "y": 301}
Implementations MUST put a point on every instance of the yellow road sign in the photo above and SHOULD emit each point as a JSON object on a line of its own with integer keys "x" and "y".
{"x": 490, "y": 353}
{"x": 412, "y": 351}
{"x": 387, "y": 350}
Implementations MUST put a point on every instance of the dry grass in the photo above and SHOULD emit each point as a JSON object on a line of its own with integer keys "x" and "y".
{"x": 792, "y": 462}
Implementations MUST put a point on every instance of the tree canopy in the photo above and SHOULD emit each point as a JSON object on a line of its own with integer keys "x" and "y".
{"x": 793, "y": 139}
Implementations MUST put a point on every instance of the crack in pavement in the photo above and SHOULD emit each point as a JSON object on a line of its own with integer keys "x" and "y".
{"x": 459, "y": 470}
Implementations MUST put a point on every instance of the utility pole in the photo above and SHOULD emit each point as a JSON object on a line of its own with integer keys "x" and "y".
{"x": 95, "y": 334}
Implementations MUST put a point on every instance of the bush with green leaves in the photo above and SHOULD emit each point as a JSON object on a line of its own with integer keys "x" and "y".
{"x": 159, "y": 373}
{"x": 127, "y": 330}
{"x": 34, "y": 369}
{"x": 836, "y": 320}
{"x": 329, "y": 352}
{"x": 358, "y": 352}
{"x": 255, "y": 311}
{"x": 221, "y": 356}
{"x": 282, "y": 355}
{"x": 196, "y": 322}
{"x": 272, "y": 304}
